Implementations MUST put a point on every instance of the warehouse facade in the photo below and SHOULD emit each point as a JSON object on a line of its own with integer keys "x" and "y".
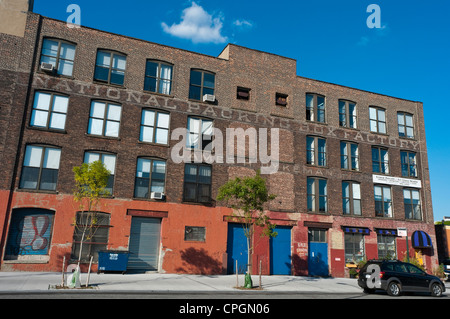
{"x": 351, "y": 166}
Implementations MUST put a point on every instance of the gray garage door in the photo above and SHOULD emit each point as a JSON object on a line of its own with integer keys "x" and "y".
{"x": 145, "y": 237}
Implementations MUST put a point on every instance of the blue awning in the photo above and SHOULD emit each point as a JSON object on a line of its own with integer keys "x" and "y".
{"x": 388, "y": 232}
{"x": 421, "y": 239}
{"x": 356, "y": 230}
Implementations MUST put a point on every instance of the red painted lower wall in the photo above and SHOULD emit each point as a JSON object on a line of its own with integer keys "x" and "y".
{"x": 209, "y": 257}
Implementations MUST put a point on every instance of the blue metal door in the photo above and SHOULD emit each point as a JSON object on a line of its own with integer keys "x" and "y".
{"x": 318, "y": 259}
{"x": 280, "y": 251}
{"x": 237, "y": 249}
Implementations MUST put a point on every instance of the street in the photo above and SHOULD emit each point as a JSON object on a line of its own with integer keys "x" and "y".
{"x": 238, "y": 295}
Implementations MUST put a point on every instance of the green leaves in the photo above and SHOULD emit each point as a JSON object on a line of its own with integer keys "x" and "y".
{"x": 249, "y": 193}
{"x": 90, "y": 181}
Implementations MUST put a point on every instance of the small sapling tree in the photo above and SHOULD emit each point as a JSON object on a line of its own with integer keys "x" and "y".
{"x": 248, "y": 196}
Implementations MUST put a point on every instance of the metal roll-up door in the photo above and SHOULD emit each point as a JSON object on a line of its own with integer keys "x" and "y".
{"x": 145, "y": 237}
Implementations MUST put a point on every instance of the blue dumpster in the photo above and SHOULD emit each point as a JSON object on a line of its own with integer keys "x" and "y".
{"x": 112, "y": 260}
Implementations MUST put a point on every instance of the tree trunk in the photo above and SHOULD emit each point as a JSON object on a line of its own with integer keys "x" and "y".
{"x": 249, "y": 257}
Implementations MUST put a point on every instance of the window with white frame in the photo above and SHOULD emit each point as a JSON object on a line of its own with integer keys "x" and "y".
{"x": 104, "y": 119}
{"x": 158, "y": 77}
{"x": 409, "y": 164}
{"x": 150, "y": 177}
{"x": 351, "y": 198}
{"x": 60, "y": 54}
{"x": 377, "y": 119}
{"x": 405, "y": 125}
{"x": 317, "y": 195}
{"x": 154, "y": 127}
{"x": 109, "y": 160}
{"x": 383, "y": 201}
{"x": 49, "y": 111}
{"x": 316, "y": 151}
{"x": 40, "y": 168}
{"x": 110, "y": 67}
{"x": 200, "y": 132}
{"x": 380, "y": 160}
{"x": 349, "y": 156}
{"x": 347, "y": 114}
{"x": 201, "y": 83}
{"x": 315, "y": 108}
{"x": 411, "y": 199}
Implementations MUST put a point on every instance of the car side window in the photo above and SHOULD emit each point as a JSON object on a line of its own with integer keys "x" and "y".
{"x": 389, "y": 267}
{"x": 414, "y": 270}
{"x": 400, "y": 268}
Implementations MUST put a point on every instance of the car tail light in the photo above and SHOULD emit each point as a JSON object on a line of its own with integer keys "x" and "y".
{"x": 381, "y": 274}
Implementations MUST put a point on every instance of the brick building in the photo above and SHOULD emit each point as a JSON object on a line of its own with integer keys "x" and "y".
{"x": 352, "y": 164}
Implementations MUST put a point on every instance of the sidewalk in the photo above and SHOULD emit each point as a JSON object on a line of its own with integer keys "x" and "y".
{"x": 154, "y": 282}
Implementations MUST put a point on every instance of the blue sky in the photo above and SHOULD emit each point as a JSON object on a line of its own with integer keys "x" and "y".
{"x": 408, "y": 57}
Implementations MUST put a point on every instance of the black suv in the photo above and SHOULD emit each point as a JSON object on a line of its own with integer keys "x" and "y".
{"x": 396, "y": 277}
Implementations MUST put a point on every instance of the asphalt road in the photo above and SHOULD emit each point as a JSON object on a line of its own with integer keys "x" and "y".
{"x": 211, "y": 296}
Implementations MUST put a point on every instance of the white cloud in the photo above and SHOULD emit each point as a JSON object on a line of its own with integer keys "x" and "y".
{"x": 197, "y": 25}
{"x": 243, "y": 23}
{"x": 376, "y": 34}
{"x": 363, "y": 41}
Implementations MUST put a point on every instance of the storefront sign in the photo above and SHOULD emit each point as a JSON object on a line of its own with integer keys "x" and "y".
{"x": 398, "y": 181}
{"x": 402, "y": 232}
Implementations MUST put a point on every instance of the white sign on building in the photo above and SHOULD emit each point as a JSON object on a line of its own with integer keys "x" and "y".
{"x": 398, "y": 181}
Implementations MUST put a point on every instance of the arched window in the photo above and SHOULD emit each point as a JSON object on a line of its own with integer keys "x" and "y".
{"x": 150, "y": 178}
{"x": 30, "y": 234}
{"x": 60, "y": 54}
{"x": 95, "y": 236}
{"x": 351, "y": 198}
{"x": 40, "y": 167}
{"x": 201, "y": 84}
{"x": 158, "y": 77}
{"x": 110, "y": 67}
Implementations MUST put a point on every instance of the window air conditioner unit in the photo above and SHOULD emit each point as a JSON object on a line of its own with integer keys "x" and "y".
{"x": 156, "y": 195}
{"x": 209, "y": 98}
{"x": 48, "y": 67}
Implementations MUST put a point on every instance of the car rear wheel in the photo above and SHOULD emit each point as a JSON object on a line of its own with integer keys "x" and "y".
{"x": 436, "y": 290}
{"x": 394, "y": 289}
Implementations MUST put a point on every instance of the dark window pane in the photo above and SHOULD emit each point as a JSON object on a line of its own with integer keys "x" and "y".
{"x": 204, "y": 193}
{"x": 195, "y": 92}
{"x": 141, "y": 188}
{"x": 208, "y": 91}
{"x": 110, "y": 184}
{"x": 190, "y": 173}
{"x": 117, "y": 77}
{"x": 152, "y": 69}
{"x": 190, "y": 192}
{"x": 208, "y": 80}
{"x": 196, "y": 77}
{"x": 48, "y": 179}
{"x": 204, "y": 175}
{"x": 150, "y": 84}
{"x": 101, "y": 74}
{"x": 30, "y": 176}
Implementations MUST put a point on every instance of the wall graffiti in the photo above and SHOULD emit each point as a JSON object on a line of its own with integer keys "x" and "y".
{"x": 30, "y": 232}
